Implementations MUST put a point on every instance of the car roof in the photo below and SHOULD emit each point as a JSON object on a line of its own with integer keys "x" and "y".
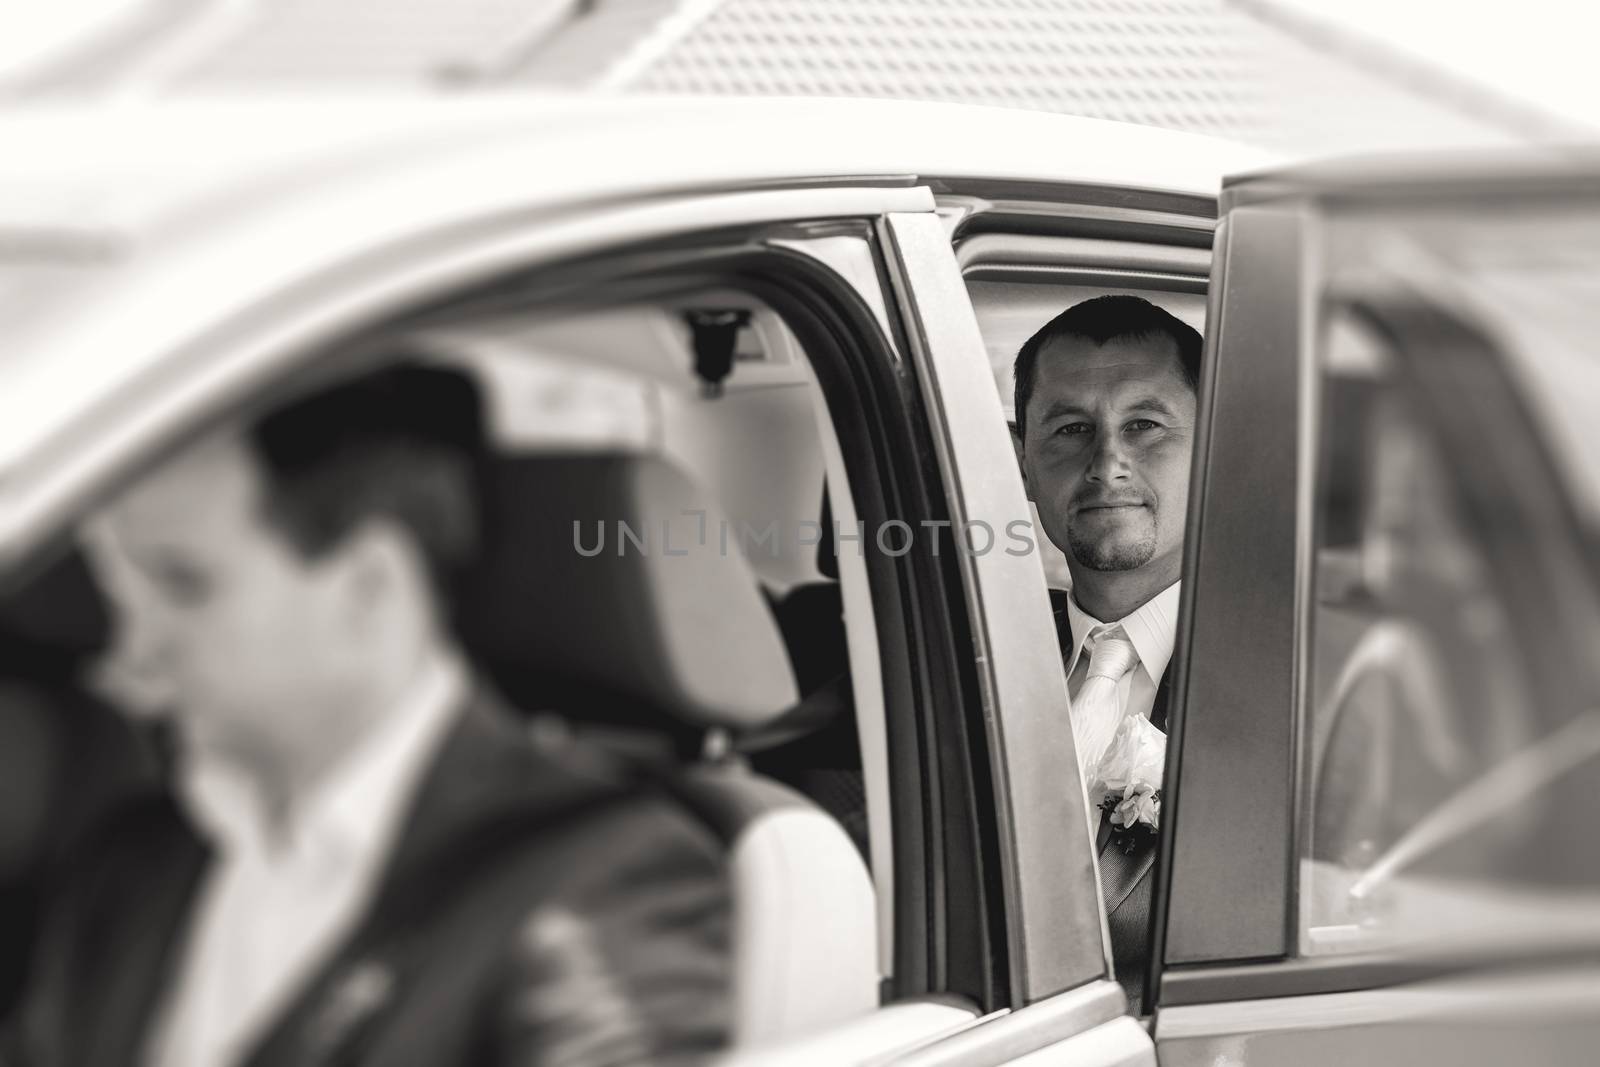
{"x": 1525, "y": 172}
{"x": 131, "y": 166}
{"x": 125, "y": 231}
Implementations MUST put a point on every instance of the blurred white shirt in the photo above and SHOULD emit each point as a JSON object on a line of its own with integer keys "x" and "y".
{"x": 1152, "y": 629}
{"x": 274, "y": 906}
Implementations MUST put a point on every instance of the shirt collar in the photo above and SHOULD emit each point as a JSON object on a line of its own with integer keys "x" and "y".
{"x": 361, "y": 800}
{"x": 1152, "y": 628}
{"x": 365, "y": 796}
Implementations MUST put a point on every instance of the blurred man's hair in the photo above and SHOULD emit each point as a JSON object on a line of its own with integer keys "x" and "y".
{"x": 403, "y": 444}
{"x": 1102, "y": 319}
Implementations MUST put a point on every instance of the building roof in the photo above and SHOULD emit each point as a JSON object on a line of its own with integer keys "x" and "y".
{"x": 1230, "y": 68}
{"x": 1204, "y": 66}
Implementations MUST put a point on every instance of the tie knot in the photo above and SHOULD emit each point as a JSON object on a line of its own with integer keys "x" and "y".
{"x": 1112, "y": 656}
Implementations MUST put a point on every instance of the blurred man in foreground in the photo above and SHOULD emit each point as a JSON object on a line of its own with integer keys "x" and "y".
{"x": 387, "y": 869}
{"x": 1105, "y": 408}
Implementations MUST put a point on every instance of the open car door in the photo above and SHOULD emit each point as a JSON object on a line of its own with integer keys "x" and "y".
{"x": 1386, "y": 756}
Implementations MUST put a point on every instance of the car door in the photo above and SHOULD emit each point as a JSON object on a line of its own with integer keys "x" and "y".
{"x": 1387, "y": 749}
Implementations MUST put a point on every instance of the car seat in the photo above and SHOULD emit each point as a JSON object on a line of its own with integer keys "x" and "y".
{"x": 815, "y": 747}
{"x": 605, "y": 594}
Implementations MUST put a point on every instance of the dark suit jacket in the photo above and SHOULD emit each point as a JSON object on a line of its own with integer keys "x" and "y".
{"x": 1125, "y": 862}
{"x": 540, "y": 908}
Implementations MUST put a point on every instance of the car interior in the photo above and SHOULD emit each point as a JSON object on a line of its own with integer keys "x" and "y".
{"x": 686, "y": 521}
{"x": 602, "y": 413}
{"x": 668, "y": 475}
{"x": 657, "y": 578}
{"x": 665, "y": 514}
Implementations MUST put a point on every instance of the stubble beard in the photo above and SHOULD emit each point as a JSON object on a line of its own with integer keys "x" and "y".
{"x": 1113, "y": 550}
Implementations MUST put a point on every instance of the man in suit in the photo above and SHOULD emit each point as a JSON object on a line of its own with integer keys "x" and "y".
{"x": 369, "y": 860}
{"x": 1105, "y": 414}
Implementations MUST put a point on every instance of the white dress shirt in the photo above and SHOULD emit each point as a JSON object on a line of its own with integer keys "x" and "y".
{"x": 1153, "y": 631}
{"x": 275, "y": 903}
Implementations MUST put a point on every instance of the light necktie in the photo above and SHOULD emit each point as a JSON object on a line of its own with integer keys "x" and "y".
{"x": 1097, "y": 706}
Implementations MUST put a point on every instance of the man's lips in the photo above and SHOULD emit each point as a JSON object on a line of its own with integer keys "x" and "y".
{"x": 1119, "y": 505}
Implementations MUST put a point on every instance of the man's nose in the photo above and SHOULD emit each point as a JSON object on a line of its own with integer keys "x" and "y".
{"x": 139, "y": 666}
{"x": 1109, "y": 463}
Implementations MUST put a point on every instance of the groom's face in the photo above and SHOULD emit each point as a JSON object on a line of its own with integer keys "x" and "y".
{"x": 1107, "y": 441}
{"x": 247, "y": 636}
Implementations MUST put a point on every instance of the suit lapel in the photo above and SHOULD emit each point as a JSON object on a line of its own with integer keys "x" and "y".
{"x": 1158, "y": 710}
{"x": 486, "y": 779}
{"x": 494, "y": 772}
{"x": 1121, "y": 868}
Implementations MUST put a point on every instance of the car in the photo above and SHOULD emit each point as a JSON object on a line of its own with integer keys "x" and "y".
{"x": 749, "y": 358}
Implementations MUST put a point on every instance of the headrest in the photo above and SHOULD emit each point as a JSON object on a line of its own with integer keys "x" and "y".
{"x": 608, "y": 592}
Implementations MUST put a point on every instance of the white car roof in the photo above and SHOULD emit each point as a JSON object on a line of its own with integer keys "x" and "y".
{"x": 131, "y": 166}
{"x": 124, "y": 232}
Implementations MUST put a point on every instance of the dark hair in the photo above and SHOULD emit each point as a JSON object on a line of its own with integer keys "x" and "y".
{"x": 404, "y": 444}
{"x": 1102, "y": 319}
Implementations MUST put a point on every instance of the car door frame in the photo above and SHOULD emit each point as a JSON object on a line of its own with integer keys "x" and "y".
{"x": 1055, "y": 926}
{"x": 1248, "y": 502}
{"x": 1074, "y": 235}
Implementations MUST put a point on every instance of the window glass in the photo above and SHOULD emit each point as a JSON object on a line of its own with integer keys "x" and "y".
{"x": 1532, "y": 280}
{"x": 1454, "y": 755}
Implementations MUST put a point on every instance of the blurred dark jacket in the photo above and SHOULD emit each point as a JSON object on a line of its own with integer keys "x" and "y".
{"x": 541, "y": 907}
{"x": 67, "y": 760}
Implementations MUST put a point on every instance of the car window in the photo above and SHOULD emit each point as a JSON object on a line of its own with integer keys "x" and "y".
{"x": 1453, "y": 753}
{"x": 1539, "y": 281}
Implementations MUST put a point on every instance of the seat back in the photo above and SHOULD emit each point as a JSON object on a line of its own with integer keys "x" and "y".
{"x": 805, "y": 917}
{"x": 598, "y": 581}
{"x": 667, "y": 626}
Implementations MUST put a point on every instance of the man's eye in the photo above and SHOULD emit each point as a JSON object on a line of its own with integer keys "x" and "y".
{"x": 1074, "y": 428}
{"x": 1142, "y": 424}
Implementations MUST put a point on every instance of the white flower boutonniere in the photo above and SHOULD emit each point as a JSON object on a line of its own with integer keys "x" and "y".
{"x": 1140, "y": 806}
{"x": 1128, "y": 776}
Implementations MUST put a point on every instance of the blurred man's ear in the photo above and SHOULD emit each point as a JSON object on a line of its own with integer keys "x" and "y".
{"x": 381, "y": 569}
{"x": 1016, "y": 445}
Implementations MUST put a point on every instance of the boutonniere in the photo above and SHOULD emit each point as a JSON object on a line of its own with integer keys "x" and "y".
{"x": 1129, "y": 779}
{"x": 359, "y": 994}
{"x": 1137, "y": 807}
